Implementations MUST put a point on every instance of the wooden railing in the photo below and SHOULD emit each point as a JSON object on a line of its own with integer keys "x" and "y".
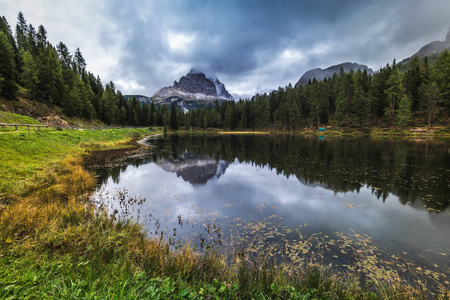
{"x": 66, "y": 127}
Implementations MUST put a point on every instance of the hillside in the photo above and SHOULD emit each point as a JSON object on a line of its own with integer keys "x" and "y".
{"x": 25, "y": 110}
{"x": 320, "y": 74}
{"x": 431, "y": 49}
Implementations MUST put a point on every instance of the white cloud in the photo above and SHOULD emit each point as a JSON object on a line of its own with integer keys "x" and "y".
{"x": 128, "y": 85}
{"x": 180, "y": 42}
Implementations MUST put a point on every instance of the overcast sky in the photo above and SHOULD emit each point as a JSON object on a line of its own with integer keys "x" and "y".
{"x": 252, "y": 46}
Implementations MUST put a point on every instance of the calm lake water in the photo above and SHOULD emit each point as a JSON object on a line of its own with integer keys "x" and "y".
{"x": 268, "y": 191}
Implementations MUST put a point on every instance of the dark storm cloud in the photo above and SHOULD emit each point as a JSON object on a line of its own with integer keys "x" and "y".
{"x": 239, "y": 40}
{"x": 251, "y": 45}
{"x": 228, "y": 33}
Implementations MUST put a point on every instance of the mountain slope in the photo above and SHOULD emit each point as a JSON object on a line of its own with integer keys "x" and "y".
{"x": 430, "y": 49}
{"x": 321, "y": 74}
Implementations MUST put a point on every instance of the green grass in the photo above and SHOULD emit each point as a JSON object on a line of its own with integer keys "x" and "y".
{"x": 10, "y": 118}
{"x": 23, "y": 154}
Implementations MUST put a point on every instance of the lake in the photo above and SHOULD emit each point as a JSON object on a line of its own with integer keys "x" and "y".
{"x": 292, "y": 197}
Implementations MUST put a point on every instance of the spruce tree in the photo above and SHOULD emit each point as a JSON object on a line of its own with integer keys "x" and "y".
{"x": 441, "y": 75}
{"x": 395, "y": 94}
{"x": 21, "y": 31}
{"x": 404, "y": 111}
{"x": 430, "y": 97}
{"x": 8, "y": 86}
{"x": 80, "y": 62}
{"x": 30, "y": 72}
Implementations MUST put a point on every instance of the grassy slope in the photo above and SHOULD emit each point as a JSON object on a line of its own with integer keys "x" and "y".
{"x": 23, "y": 106}
{"x": 11, "y": 118}
{"x": 25, "y": 153}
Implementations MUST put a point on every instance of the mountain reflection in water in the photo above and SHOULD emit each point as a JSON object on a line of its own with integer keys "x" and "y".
{"x": 192, "y": 168}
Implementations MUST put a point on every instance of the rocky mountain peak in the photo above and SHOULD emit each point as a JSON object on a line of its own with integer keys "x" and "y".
{"x": 196, "y": 82}
{"x": 193, "y": 90}
{"x": 196, "y": 85}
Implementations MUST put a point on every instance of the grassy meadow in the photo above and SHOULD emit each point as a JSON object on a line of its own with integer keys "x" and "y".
{"x": 55, "y": 244}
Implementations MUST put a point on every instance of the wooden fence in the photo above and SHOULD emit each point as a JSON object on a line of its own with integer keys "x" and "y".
{"x": 55, "y": 127}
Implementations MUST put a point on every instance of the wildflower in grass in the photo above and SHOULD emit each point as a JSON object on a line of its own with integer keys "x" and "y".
{"x": 8, "y": 240}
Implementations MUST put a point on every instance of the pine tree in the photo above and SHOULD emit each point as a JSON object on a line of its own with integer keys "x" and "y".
{"x": 404, "y": 111}
{"x": 30, "y": 72}
{"x": 151, "y": 114}
{"x": 441, "y": 75}
{"x": 64, "y": 55}
{"x": 360, "y": 106}
{"x": 8, "y": 86}
{"x": 346, "y": 95}
{"x": 4, "y": 26}
{"x": 430, "y": 97}
{"x": 21, "y": 32}
{"x": 395, "y": 94}
{"x": 413, "y": 80}
{"x": 41, "y": 36}
{"x": 361, "y": 103}
{"x": 80, "y": 62}
{"x": 31, "y": 40}
{"x": 165, "y": 114}
{"x": 108, "y": 110}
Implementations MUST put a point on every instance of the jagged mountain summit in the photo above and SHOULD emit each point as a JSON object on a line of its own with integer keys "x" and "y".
{"x": 196, "y": 82}
{"x": 192, "y": 90}
{"x": 321, "y": 74}
{"x": 430, "y": 49}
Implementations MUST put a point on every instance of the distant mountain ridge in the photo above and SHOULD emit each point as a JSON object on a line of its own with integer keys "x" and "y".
{"x": 189, "y": 92}
{"x": 430, "y": 49}
{"x": 320, "y": 74}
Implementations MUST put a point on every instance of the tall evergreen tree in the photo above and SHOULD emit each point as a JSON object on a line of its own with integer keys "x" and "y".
{"x": 32, "y": 40}
{"x": 441, "y": 75}
{"x": 30, "y": 73}
{"x": 8, "y": 87}
{"x": 360, "y": 106}
{"x": 430, "y": 97}
{"x": 395, "y": 93}
{"x": 404, "y": 111}
{"x": 21, "y": 32}
{"x": 80, "y": 62}
{"x": 413, "y": 79}
{"x": 346, "y": 95}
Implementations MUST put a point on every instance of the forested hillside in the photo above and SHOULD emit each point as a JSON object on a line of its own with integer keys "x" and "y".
{"x": 51, "y": 74}
{"x": 388, "y": 98}
{"x": 420, "y": 95}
